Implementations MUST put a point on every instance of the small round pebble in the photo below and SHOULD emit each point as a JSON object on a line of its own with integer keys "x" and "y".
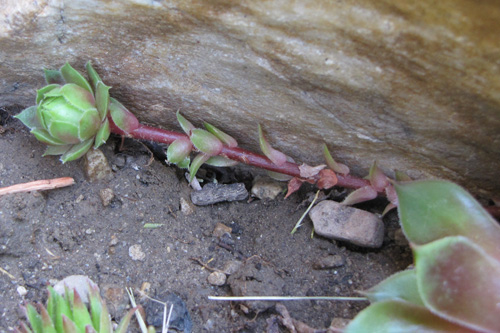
{"x": 135, "y": 252}
{"x": 217, "y": 278}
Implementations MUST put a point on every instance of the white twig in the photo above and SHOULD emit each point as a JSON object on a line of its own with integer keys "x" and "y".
{"x": 305, "y": 213}
{"x": 286, "y": 298}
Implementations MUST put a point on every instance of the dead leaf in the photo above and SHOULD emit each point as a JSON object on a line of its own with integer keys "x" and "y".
{"x": 327, "y": 179}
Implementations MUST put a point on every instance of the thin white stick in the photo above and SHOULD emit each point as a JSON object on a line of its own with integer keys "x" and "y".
{"x": 142, "y": 324}
{"x": 38, "y": 185}
{"x": 305, "y": 213}
{"x": 168, "y": 319}
{"x": 286, "y": 298}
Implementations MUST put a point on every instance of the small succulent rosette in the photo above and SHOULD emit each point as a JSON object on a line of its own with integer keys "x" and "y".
{"x": 71, "y": 113}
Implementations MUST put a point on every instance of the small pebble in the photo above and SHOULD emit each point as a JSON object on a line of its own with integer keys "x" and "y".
{"x": 231, "y": 267}
{"x": 113, "y": 241}
{"x": 187, "y": 208}
{"x": 328, "y": 262}
{"x": 335, "y": 221}
{"x": 97, "y": 166}
{"x": 135, "y": 252}
{"x": 221, "y": 229}
{"x": 266, "y": 188}
{"x": 107, "y": 195}
{"x": 21, "y": 290}
{"x": 217, "y": 278}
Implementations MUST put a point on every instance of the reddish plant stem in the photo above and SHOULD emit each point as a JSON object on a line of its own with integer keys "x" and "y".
{"x": 144, "y": 132}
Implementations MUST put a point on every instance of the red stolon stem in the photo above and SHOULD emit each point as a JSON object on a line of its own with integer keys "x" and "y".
{"x": 144, "y": 132}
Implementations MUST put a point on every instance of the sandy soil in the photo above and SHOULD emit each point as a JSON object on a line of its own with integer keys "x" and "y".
{"x": 47, "y": 236}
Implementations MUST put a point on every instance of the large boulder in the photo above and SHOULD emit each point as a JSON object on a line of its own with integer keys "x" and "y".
{"x": 414, "y": 85}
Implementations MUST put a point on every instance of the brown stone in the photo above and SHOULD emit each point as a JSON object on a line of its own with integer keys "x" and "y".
{"x": 413, "y": 85}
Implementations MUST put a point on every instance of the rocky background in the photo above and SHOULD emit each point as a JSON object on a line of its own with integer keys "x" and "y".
{"x": 414, "y": 85}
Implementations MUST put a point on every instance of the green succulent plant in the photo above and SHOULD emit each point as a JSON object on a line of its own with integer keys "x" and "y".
{"x": 71, "y": 113}
{"x": 455, "y": 283}
{"x": 68, "y": 314}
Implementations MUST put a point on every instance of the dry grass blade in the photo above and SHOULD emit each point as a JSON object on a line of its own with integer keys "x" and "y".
{"x": 38, "y": 185}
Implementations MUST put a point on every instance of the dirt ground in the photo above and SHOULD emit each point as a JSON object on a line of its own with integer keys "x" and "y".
{"x": 47, "y": 236}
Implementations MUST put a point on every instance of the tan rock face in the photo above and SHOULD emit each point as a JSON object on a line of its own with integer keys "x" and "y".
{"x": 414, "y": 85}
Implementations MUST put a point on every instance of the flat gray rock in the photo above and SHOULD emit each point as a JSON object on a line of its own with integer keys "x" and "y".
{"x": 335, "y": 221}
{"x": 214, "y": 193}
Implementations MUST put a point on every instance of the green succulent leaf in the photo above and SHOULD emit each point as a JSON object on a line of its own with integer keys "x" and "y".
{"x": 40, "y": 93}
{"x": 68, "y": 325}
{"x": 23, "y": 328}
{"x": 44, "y": 136}
{"x": 53, "y": 76}
{"x": 29, "y": 118}
{"x": 196, "y": 164}
{"x": 179, "y": 150}
{"x": 459, "y": 281}
{"x": 400, "y": 286}
{"x": 81, "y": 316}
{"x": 102, "y": 134}
{"x": 71, "y": 75}
{"x": 360, "y": 195}
{"x": 105, "y": 319}
{"x": 434, "y": 209}
{"x": 77, "y": 151}
{"x": 206, "y": 142}
{"x": 223, "y": 137}
{"x": 122, "y": 117}
{"x": 400, "y": 176}
{"x": 377, "y": 178}
{"x": 123, "y": 325}
{"x": 56, "y": 150}
{"x": 93, "y": 76}
{"x": 102, "y": 99}
{"x": 47, "y": 325}
{"x": 398, "y": 316}
{"x": 96, "y": 306}
{"x": 332, "y": 164}
{"x": 221, "y": 161}
{"x": 34, "y": 318}
{"x": 186, "y": 125}
{"x": 274, "y": 155}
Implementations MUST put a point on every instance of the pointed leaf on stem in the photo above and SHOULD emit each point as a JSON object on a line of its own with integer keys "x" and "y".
{"x": 93, "y": 76}
{"x": 377, "y": 178}
{"x": 102, "y": 134}
{"x": 53, "y": 76}
{"x": 327, "y": 179}
{"x": 71, "y": 75}
{"x": 77, "y": 151}
{"x": 102, "y": 99}
{"x": 221, "y": 161}
{"x": 96, "y": 305}
{"x": 123, "y": 325}
{"x": 293, "y": 186}
{"x": 29, "y": 117}
{"x": 179, "y": 150}
{"x": 360, "y": 195}
{"x": 307, "y": 171}
{"x": 274, "y": 155}
{"x": 400, "y": 176}
{"x": 68, "y": 325}
{"x": 332, "y": 164}
{"x": 122, "y": 117}
{"x": 186, "y": 125}
{"x": 47, "y": 324}
{"x": 206, "y": 142}
{"x": 459, "y": 281}
{"x": 196, "y": 164}
{"x": 224, "y": 137}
